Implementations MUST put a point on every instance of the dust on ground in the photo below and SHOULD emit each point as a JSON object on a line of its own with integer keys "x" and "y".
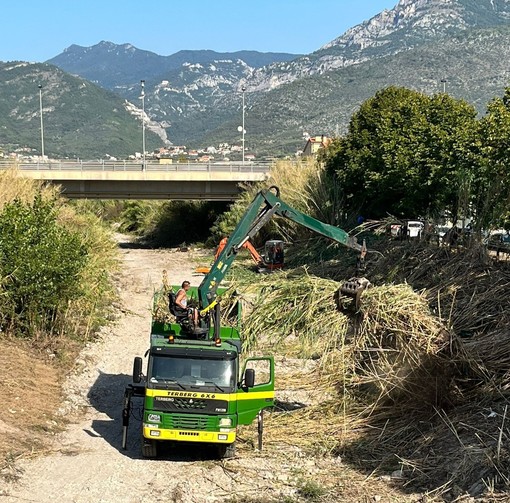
{"x": 85, "y": 463}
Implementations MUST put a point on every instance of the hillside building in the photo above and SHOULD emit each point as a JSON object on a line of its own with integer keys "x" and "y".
{"x": 315, "y": 143}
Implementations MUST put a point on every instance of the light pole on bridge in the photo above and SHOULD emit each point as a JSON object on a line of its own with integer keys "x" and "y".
{"x": 241, "y": 128}
{"x": 142, "y": 82}
{"x": 40, "y": 113}
{"x": 443, "y": 80}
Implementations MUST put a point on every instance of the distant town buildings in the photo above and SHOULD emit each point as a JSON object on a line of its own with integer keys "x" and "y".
{"x": 180, "y": 153}
{"x": 224, "y": 152}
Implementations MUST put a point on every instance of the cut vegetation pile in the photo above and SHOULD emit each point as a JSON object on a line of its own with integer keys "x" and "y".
{"x": 418, "y": 379}
{"x": 470, "y": 293}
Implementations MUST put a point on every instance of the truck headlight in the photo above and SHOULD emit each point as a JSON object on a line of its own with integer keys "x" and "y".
{"x": 155, "y": 418}
{"x": 225, "y": 421}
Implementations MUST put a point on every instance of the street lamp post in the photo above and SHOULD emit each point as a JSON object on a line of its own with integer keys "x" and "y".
{"x": 443, "y": 80}
{"x": 40, "y": 113}
{"x": 243, "y": 89}
{"x": 142, "y": 82}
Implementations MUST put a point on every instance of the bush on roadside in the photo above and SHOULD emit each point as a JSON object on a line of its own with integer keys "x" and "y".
{"x": 40, "y": 262}
{"x": 54, "y": 263}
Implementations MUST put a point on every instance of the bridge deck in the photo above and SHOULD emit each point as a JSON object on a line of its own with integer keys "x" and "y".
{"x": 128, "y": 180}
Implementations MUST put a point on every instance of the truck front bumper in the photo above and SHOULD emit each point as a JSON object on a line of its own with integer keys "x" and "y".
{"x": 214, "y": 437}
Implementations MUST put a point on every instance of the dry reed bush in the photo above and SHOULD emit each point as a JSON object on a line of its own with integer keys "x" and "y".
{"x": 393, "y": 351}
{"x": 317, "y": 429}
{"x": 13, "y": 186}
{"x": 85, "y": 314}
{"x": 293, "y": 304}
{"x": 298, "y": 181}
{"x": 401, "y": 350}
{"x": 293, "y": 178}
{"x": 389, "y": 361}
{"x": 469, "y": 292}
{"x": 489, "y": 357}
{"x": 304, "y": 186}
{"x": 464, "y": 450}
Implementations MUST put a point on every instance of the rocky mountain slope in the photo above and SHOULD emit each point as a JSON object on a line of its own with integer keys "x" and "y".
{"x": 194, "y": 97}
{"x": 117, "y": 66}
{"x": 474, "y": 64}
{"x": 423, "y": 41}
{"x": 410, "y": 24}
{"x": 80, "y": 119}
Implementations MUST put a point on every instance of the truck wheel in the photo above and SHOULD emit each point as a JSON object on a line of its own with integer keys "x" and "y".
{"x": 227, "y": 450}
{"x": 149, "y": 448}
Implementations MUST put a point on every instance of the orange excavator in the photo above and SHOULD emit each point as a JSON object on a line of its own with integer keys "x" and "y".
{"x": 272, "y": 259}
{"x": 255, "y": 255}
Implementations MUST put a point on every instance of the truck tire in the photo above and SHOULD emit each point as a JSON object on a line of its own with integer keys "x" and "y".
{"x": 149, "y": 448}
{"x": 226, "y": 451}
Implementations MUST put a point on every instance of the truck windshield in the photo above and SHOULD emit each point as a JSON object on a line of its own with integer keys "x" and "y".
{"x": 192, "y": 373}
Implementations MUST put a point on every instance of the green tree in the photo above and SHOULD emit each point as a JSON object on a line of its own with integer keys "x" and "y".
{"x": 491, "y": 195}
{"x": 404, "y": 154}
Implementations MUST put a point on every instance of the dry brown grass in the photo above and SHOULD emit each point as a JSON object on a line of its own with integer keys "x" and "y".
{"x": 13, "y": 186}
{"x": 30, "y": 395}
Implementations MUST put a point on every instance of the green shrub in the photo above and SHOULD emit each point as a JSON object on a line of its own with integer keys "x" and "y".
{"x": 40, "y": 264}
{"x": 138, "y": 216}
{"x": 311, "y": 490}
{"x": 183, "y": 221}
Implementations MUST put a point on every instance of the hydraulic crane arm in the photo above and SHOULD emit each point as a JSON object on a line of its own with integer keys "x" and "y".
{"x": 264, "y": 206}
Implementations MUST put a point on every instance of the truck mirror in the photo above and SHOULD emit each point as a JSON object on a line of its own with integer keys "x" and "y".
{"x": 249, "y": 378}
{"x": 137, "y": 369}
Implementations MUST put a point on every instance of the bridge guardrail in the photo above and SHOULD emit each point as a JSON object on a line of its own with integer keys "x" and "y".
{"x": 59, "y": 165}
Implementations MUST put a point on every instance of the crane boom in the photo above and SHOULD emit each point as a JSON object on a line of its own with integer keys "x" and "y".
{"x": 264, "y": 206}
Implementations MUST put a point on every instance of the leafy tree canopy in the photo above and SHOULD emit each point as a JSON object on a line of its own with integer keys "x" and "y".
{"x": 404, "y": 154}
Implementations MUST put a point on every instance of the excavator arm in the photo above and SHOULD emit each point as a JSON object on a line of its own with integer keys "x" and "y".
{"x": 255, "y": 255}
{"x": 264, "y": 206}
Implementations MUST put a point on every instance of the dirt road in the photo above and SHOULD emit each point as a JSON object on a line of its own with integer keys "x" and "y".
{"x": 87, "y": 464}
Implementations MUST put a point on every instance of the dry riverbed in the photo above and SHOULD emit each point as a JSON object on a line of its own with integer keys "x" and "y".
{"x": 85, "y": 462}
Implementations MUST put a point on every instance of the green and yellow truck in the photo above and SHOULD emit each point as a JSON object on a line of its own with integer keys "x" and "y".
{"x": 194, "y": 388}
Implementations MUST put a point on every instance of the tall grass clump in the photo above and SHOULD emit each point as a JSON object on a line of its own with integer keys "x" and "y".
{"x": 293, "y": 306}
{"x": 86, "y": 312}
{"x": 304, "y": 185}
{"x": 54, "y": 264}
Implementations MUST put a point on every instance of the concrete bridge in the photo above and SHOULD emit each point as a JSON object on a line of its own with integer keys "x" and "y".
{"x": 132, "y": 180}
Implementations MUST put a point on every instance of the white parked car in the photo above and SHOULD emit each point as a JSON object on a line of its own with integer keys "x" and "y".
{"x": 415, "y": 228}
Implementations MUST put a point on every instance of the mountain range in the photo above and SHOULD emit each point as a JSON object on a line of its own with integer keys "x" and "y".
{"x": 194, "y": 97}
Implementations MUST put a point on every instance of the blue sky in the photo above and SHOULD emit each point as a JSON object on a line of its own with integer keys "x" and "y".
{"x": 37, "y": 30}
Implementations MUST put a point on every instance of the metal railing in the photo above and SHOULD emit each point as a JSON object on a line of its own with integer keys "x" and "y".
{"x": 78, "y": 165}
